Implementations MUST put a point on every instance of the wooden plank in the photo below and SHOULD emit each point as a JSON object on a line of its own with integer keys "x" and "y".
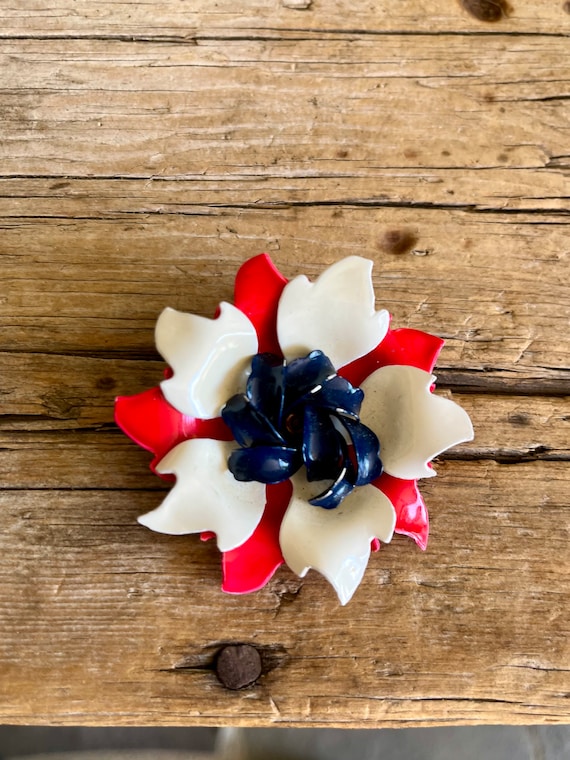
{"x": 188, "y": 24}
{"x": 148, "y": 150}
{"x": 509, "y": 190}
{"x": 505, "y": 311}
{"x": 50, "y": 452}
{"x": 328, "y": 105}
{"x": 442, "y": 637}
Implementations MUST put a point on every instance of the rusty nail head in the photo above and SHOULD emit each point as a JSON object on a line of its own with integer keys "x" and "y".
{"x": 238, "y": 666}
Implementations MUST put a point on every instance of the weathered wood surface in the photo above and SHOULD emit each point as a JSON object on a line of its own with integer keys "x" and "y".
{"x": 146, "y": 150}
{"x": 259, "y": 19}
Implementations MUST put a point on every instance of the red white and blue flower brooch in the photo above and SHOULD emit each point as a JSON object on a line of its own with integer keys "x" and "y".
{"x": 296, "y": 424}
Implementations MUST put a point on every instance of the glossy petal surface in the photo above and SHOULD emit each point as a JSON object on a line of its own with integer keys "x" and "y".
{"x": 266, "y": 464}
{"x": 206, "y": 496}
{"x": 258, "y": 287}
{"x": 411, "y": 513}
{"x": 339, "y": 395}
{"x": 249, "y": 566}
{"x": 151, "y": 422}
{"x": 266, "y": 387}
{"x": 301, "y": 412}
{"x": 335, "y": 314}
{"x": 366, "y": 452}
{"x": 321, "y": 449}
{"x": 305, "y": 373}
{"x": 209, "y": 358}
{"x": 413, "y": 348}
{"x": 412, "y": 424}
{"x": 249, "y": 425}
{"x": 335, "y": 542}
{"x": 338, "y": 490}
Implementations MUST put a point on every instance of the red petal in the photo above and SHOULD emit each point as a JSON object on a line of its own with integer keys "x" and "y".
{"x": 258, "y": 287}
{"x": 250, "y": 566}
{"x": 149, "y": 420}
{"x": 403, "y": 346}
{"x": 411, "y": 513}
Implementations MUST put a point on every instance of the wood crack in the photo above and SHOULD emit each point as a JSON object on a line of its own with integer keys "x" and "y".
{"x": 538, "y": 453}
{"x": 357, "y": 203}
{"x": 269, "y": 173}
{"x": 274, "y": 34}
{"x": 206, "y": 209}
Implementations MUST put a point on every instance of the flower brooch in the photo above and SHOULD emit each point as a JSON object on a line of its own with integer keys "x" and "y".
{"x": 296, "y": 424}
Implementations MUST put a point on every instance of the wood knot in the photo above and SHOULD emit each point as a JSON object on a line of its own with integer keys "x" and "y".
{"x": 238, "y": 666}
{"x": 105, "y": 383}
{"x": 519, "y": 418}
{"x": 297, "y": 5}
{"x": 398, "y": 241}
{"x": 487, "y": 10}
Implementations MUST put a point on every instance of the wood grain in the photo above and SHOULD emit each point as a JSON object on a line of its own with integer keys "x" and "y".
{"x": 146, "y": 151}
{"x": 127, "y": 623}
{"x": 260, "y": 20}
{"x": 510, "y": 316}
{"x": 509, "y": 430}
{"x": 292, "y": 106}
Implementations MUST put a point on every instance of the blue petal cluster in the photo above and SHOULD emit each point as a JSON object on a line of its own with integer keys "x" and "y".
{"x": 301, "y": 413}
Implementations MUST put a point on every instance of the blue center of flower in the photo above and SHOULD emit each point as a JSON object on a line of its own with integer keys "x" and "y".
{"x": 301, "y": 413}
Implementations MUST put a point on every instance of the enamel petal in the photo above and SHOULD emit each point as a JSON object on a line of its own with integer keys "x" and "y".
{"x": 334, "y": 314}
{"x": 206, "y": 496}
{"x": 249, "y": 567}
{"x": 209, "y": 358}
{"x": 258, "y": 286}
{"x": 411, "y": 513}
{"x": 401, "y": 346}
{"x": 156, "y": 425}
{"x": 335, "y": 542}
{"x": 412, "y": 424}
{"x": 266, "y": 464}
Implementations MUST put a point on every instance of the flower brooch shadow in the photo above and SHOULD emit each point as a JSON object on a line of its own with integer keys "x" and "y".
{"x": 296, "y": 424}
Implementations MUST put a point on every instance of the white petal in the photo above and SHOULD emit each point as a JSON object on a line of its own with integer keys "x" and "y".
{"x": 334, "y": 314}
{"x": 206, "y": 496}
{"x": 412, "y": 424}
{"x": 209, "y": 358}
{"x": 336, "y": 542}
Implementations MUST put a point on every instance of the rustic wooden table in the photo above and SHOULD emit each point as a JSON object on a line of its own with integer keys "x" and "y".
{"x": 147, "y": 149}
